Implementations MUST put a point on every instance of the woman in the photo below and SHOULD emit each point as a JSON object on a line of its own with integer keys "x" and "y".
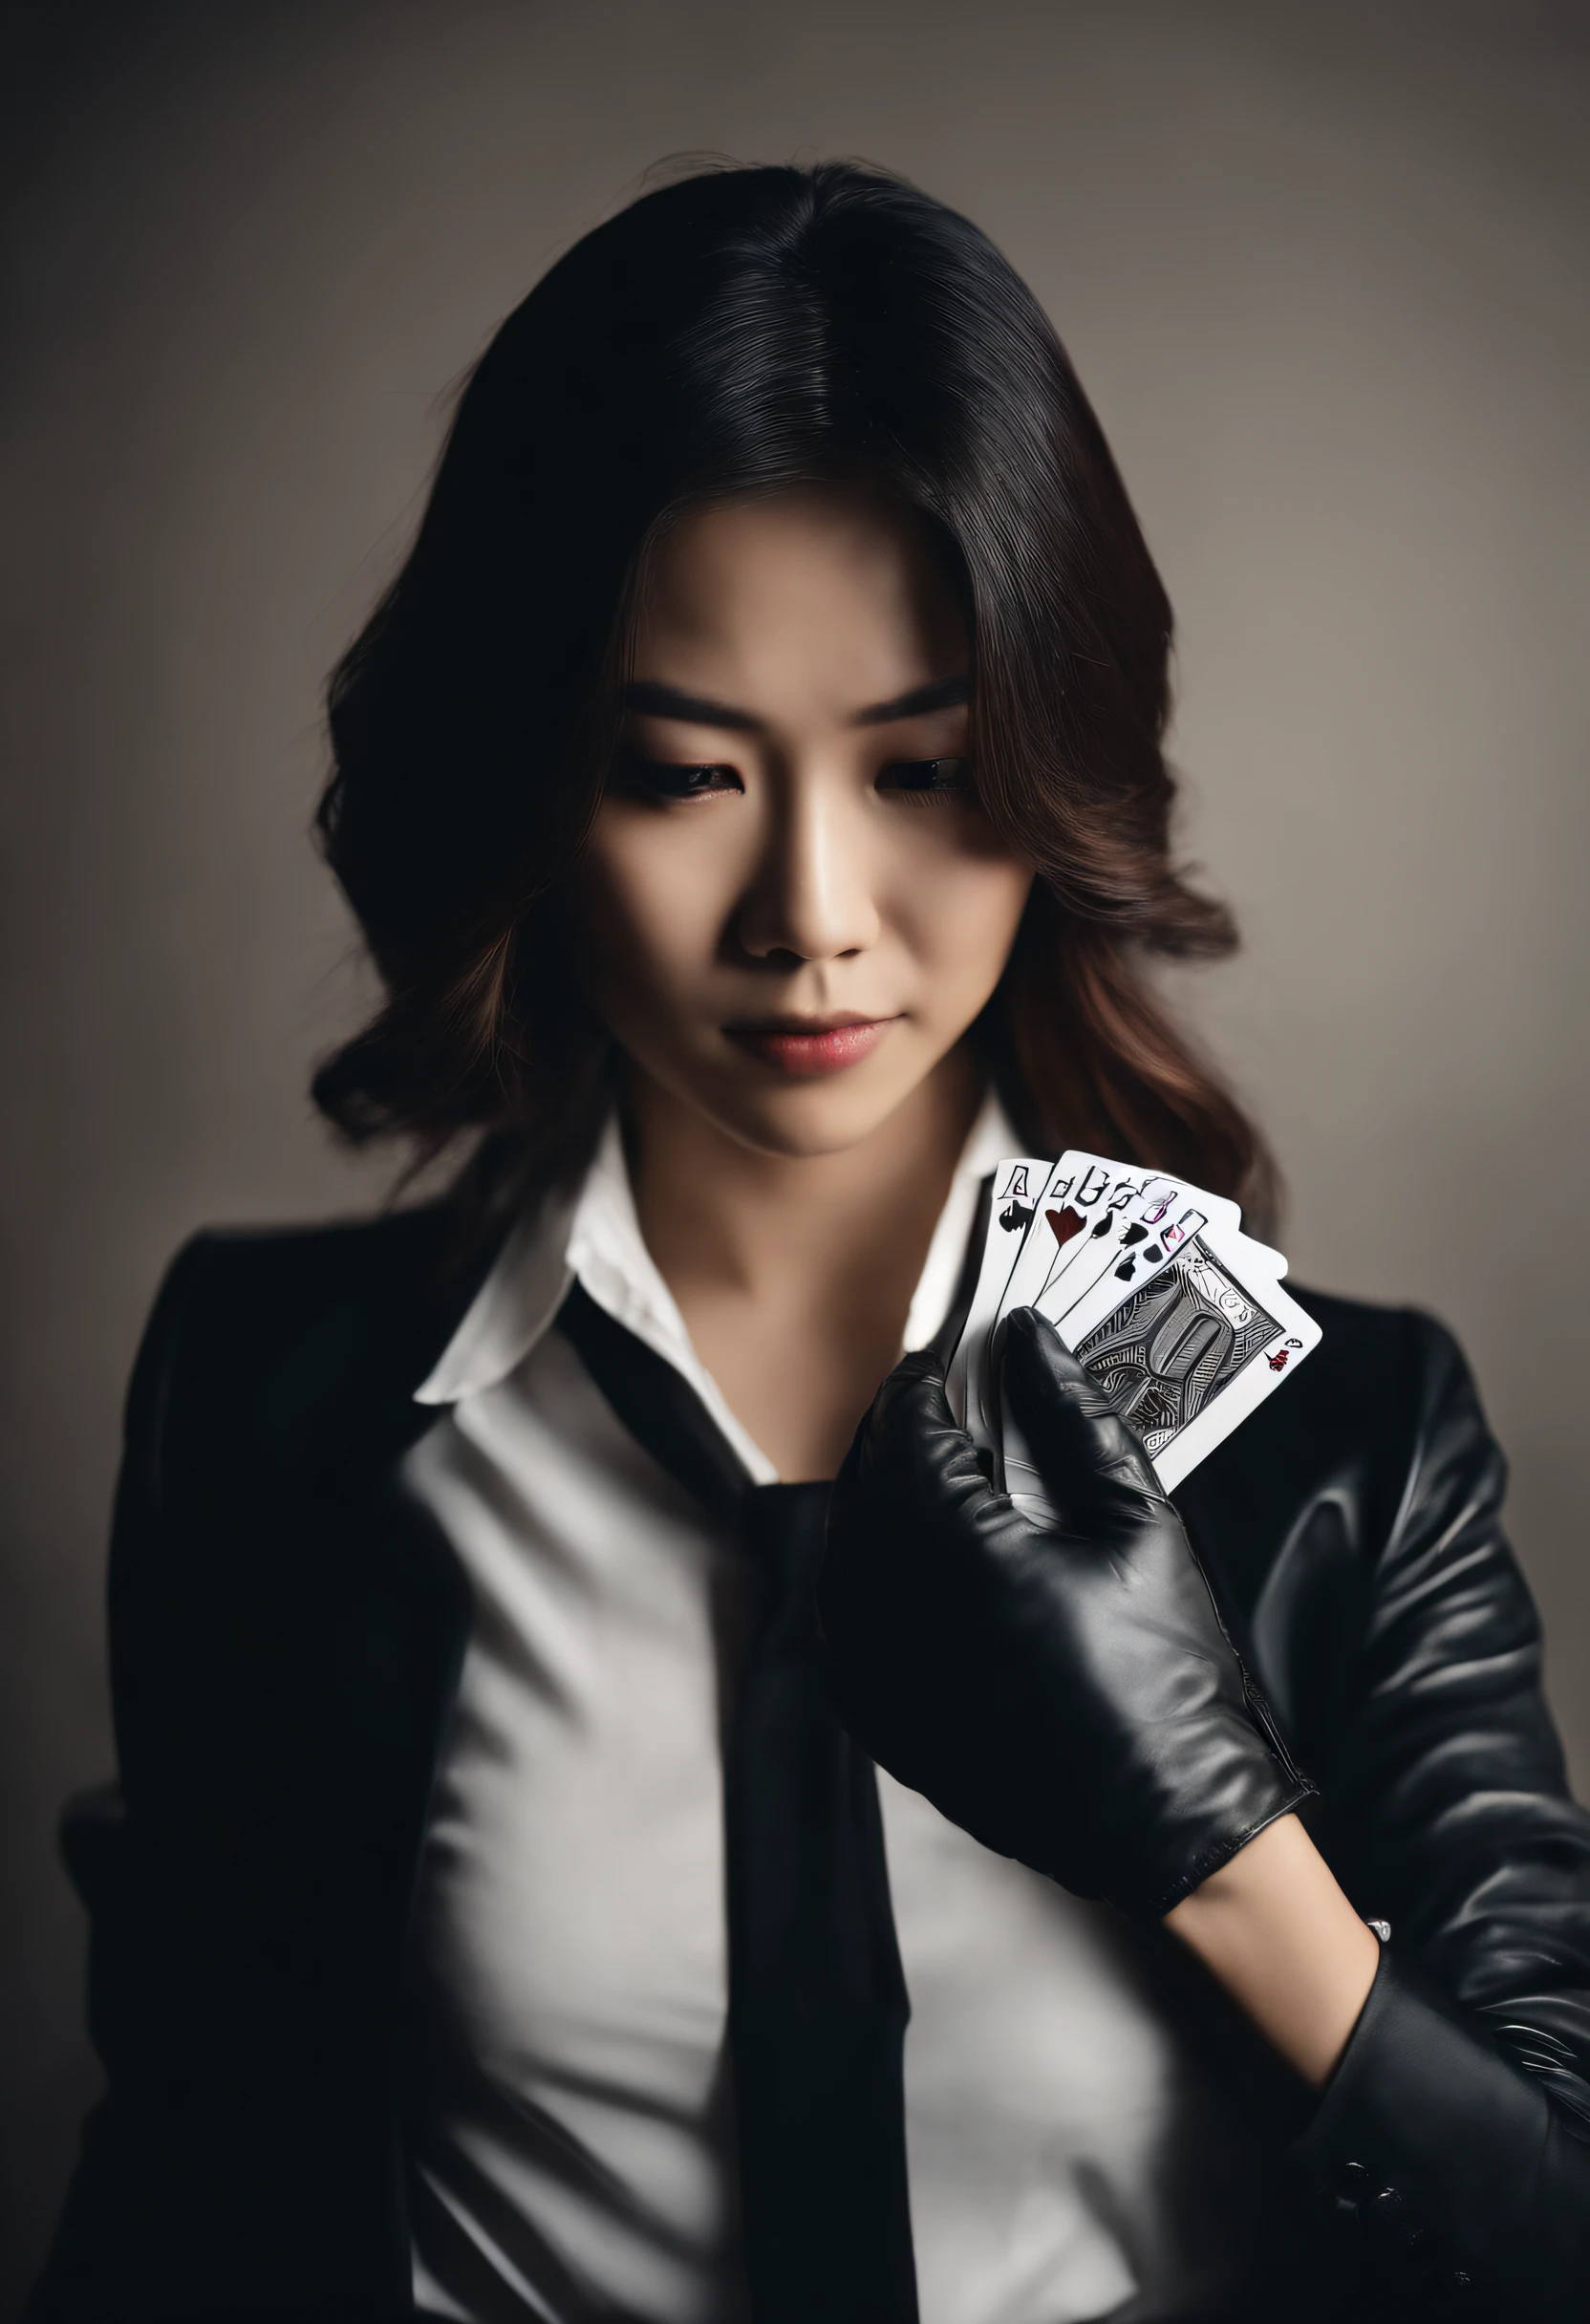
{"x": 751, "y": 790}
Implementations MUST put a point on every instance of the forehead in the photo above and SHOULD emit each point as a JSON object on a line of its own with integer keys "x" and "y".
{"x": 833, "y": 596}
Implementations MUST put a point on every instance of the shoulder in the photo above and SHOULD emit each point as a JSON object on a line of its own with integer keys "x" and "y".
{"x": 1386, "y": 1378}
{"x": 1381, "y": 1420}
{"x": 253, "y": 1328}
{"x": 255, "y": 1285}
{"x": 1376, "y": 1373}
{"x": 270, "y": 1278}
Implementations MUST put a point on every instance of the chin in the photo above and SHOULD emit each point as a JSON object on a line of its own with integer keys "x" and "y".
{"x": 806, "y": 1119}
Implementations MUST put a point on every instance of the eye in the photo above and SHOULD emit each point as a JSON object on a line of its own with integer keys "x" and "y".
{"x": 665, "y": 778}
{"x": 927, "y": 780}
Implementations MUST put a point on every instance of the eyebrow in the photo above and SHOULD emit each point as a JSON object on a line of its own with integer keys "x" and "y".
{"x": 938, "y": 694}
{"x": 650, "y": 700}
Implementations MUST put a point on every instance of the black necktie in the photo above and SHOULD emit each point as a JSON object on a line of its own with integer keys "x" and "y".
{"x": 817, "y": 1998}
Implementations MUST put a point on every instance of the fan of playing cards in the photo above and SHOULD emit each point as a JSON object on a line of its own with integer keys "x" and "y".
{"x": 1151, "y": 1283}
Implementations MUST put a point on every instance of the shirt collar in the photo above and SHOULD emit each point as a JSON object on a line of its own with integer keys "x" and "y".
{"x": 595, "y": 1235}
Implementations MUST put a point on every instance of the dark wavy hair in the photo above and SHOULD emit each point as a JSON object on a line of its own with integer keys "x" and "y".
{"x": 737, "y": 332}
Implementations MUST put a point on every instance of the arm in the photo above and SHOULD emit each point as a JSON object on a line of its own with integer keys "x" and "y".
{"x": 1069, "y": 1698}
{"x": 97, "y": 2254}
{"x": 1460, "y": 2110}
{"x": 1275, "y": 1928}
{"x": 286, "y": 1626}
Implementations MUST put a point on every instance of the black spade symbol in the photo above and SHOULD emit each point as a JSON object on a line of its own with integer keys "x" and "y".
{"x": 1128, "y": 1268}
{"x": 1015, "y": 1215}
{"x": 1133, "y": 1234}
{"x": 1101, "y": 1225}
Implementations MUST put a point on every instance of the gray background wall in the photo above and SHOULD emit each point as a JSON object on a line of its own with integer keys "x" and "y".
{"x": 1322, "y": 271}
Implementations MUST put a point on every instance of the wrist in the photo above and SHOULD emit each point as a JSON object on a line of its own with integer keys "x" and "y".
{"x": 1274, "y": 1928}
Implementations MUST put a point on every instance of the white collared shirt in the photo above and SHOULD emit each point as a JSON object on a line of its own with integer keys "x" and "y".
{"x": 571, "y": 2142}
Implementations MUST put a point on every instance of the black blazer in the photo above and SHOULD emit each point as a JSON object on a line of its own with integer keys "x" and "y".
{"x": 287, "y": 1629}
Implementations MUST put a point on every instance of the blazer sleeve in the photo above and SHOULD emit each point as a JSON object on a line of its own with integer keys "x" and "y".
{"x": 285, "y": 1628}
{"x": 1454, "y": 2135}
{"x": 104, "y": 2259}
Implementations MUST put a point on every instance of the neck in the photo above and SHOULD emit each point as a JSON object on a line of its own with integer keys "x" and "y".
{"x": 838, "y": 1235}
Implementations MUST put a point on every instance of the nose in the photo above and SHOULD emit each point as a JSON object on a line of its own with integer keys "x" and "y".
{"x": 810, "y": 896}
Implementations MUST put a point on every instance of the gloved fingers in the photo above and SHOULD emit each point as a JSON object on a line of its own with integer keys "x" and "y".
{"x": 1078, "y": 1439}
{"x": 911, "y": 1439}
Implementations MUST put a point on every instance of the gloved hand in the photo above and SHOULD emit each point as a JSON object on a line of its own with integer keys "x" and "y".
{"x": 1070, "y": 1696}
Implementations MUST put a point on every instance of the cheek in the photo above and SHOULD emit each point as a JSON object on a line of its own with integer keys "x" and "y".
{"x": 958, "y": 909}
{"x": 643, "y": 909}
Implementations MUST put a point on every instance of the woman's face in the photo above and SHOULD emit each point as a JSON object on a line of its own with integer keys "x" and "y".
{"x": 791, "y": 907}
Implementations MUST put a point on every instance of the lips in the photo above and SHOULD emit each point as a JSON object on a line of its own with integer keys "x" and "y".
{"x": 805, "y": 1047}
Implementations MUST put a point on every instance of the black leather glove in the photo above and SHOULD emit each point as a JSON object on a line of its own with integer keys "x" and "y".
{"x": 1069, "y": 1696}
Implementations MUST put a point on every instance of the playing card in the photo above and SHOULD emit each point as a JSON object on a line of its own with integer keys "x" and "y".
{"x": 1183, "y": 1357}
{"x": 1087, "y": 1302}
{"x": 1146, "y": 1230}
{"x": 1082, "y": 1197}
{"x": 1190, "y": 1356}
{"x": 1089, "y": 1206}
{"x": 1013, "y": 1201}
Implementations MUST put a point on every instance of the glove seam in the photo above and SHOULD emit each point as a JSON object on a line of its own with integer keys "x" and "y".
{"x": 1221, "y": 1851}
